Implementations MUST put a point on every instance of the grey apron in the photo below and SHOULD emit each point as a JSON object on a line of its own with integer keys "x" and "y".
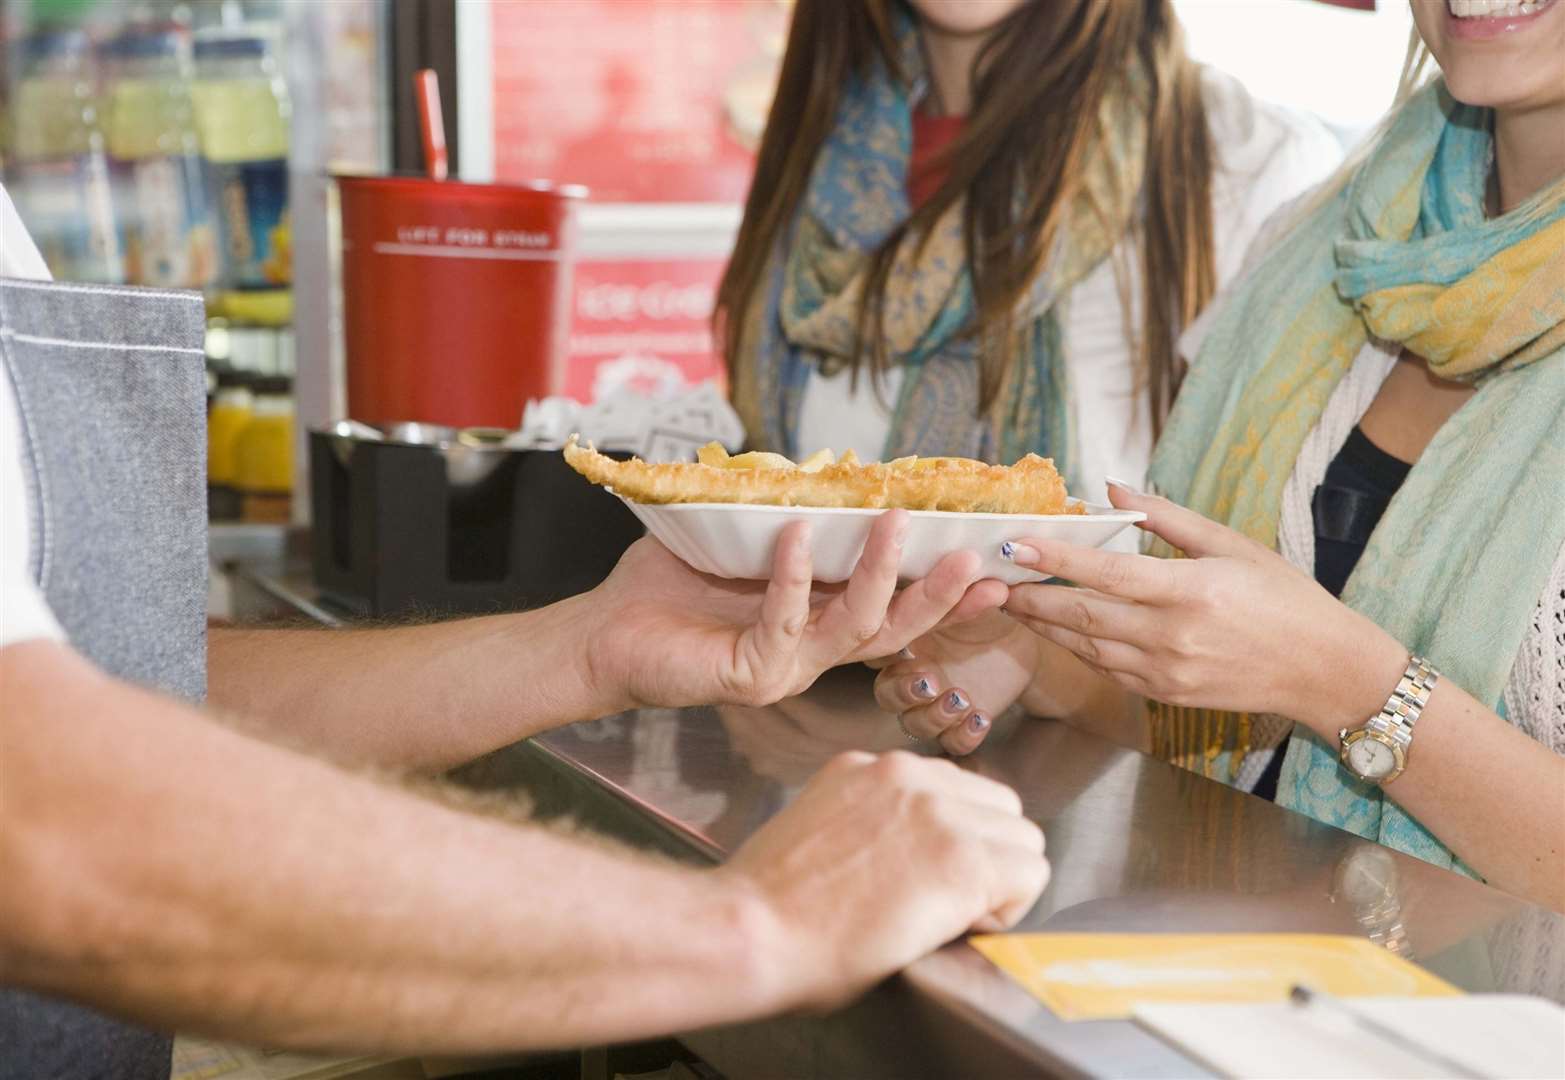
{"x": 110, "y": 385}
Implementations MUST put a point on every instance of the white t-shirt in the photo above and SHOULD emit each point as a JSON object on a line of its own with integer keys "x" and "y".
{"x": 1266, "y": 155}
{"x": 24, "y": 614}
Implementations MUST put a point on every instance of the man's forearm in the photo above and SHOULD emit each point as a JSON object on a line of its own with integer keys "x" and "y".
{"x": 164, "y": 867}
{"x": 423, "y": 697}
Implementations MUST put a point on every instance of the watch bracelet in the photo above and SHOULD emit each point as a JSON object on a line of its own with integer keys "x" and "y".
{"x": 1393, "y": 724}
{"x": 1406, "y": 703}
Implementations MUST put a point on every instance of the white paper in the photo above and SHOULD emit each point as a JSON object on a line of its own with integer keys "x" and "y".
{"x": 1491, "y": 1035}
{"x": 654, "y": 429}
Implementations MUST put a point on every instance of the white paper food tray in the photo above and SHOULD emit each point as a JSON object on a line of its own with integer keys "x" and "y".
{"x": 737, "y": 540}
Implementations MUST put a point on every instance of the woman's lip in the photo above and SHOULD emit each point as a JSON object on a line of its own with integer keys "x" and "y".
{"x": 1485, "y": 27}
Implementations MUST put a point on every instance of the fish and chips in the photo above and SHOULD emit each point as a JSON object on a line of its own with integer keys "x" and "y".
{"x": 953, "y": 485}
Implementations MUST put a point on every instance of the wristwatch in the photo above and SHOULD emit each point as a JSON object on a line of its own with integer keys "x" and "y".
{"x": 1377, "y": 751}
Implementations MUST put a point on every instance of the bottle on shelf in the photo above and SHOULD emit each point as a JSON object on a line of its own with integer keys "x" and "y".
{"x": 232, "y": 407}
{"x": 263, "y": 453}
{"x": 242, "y": 117}
{"x": 60, "y": 170}
{"x": 160, "y": 197}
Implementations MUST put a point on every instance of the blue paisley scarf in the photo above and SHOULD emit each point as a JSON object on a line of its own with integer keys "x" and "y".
{"x": 806, "y": 314}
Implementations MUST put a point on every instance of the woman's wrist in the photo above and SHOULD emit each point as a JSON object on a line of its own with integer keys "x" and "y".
{"x": 1358, "y": 668}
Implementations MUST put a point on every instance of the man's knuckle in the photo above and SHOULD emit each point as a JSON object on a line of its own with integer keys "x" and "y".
{"x": 1041, "y": 872}
{"x": 847, "y": 761}
{"x": 925, "y": 808}
{"x": 965, "y": 860}
{"x": 1178, "y": 681}
{"x": 1008, "y": 795}
{"x": 1181, "y": 641}
{"x": 898, "y": 768}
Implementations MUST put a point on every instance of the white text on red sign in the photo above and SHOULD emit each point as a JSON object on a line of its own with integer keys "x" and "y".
{"x": 459, "y": 236}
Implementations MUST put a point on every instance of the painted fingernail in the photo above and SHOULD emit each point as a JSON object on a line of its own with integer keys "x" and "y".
{"x": 923, "y": 688}
{"x": 1123, "y": 486}
{"x": 956, "y": 701}
{"x": 1020, "y": 554}
{"x": 905, "y": 653}
{"x": 978, "y": 723}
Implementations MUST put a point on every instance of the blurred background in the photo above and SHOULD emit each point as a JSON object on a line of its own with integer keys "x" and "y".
{"x": 193, "y": 144}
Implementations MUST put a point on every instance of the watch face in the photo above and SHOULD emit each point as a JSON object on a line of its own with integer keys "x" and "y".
{"x": 1369, "y": 757}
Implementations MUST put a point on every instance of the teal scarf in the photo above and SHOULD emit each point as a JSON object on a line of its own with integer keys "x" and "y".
{"x": 1455, "y": 568}
{"x": 806, "y": 315}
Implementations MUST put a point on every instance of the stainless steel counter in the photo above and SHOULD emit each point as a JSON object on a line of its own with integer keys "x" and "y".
{"x": 1136, "y": 845}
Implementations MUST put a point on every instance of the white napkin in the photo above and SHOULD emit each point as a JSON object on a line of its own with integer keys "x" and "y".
{"x": 654, "y": 429}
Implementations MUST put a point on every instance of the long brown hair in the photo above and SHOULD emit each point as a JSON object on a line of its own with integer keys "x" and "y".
{"x": 1040, "y": 78}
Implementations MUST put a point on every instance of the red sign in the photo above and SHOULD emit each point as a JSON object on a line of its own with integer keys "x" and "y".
{"x": 640, "y": 100}
{"x": 642, "y": 324}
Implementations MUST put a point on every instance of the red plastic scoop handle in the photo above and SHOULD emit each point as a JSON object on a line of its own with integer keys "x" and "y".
{"x": 431, "y": 123}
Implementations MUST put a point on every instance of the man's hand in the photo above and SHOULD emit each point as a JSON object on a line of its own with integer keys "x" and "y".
{"x": 136, "y": 830}
{"x": 668, "y": 635}
{"x": 880, "y": 860}
{"x": 656, "y": 633}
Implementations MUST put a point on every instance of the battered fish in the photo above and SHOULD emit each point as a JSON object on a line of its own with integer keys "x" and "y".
{"x": 955, "y": 485}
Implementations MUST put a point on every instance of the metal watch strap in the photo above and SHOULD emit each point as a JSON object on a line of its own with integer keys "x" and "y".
{"x": 1402, "y": 709}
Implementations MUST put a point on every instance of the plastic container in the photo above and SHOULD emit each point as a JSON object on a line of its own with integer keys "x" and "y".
{"x": 456, "y": 297}
{"x": 242, "y": 116}
{"x": 263, "y": 454}
{"x": 166, "y": 227}
{"x": 61, "y": 179}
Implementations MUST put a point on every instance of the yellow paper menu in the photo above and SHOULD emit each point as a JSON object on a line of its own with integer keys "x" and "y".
{"x": 1104, "y": 976}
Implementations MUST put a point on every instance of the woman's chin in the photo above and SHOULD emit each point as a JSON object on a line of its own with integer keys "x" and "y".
{"x": 1505, "y": 56}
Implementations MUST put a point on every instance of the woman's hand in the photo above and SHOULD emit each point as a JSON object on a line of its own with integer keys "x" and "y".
{"x": 1233, "y": 626}
{"x": 959, "y": 677}
{"x": 672, "y": 636}
{"x": 950, "y": 684}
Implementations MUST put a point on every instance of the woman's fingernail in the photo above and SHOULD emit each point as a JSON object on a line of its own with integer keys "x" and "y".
{"x": 923, "y": 688}
{"x": 956, "y": 701}
{"x": 1123, "y": 486}
{"x": 978, "y": 723}
{"x": 1020, "y": 554}
{"x": 905, "y": 653}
